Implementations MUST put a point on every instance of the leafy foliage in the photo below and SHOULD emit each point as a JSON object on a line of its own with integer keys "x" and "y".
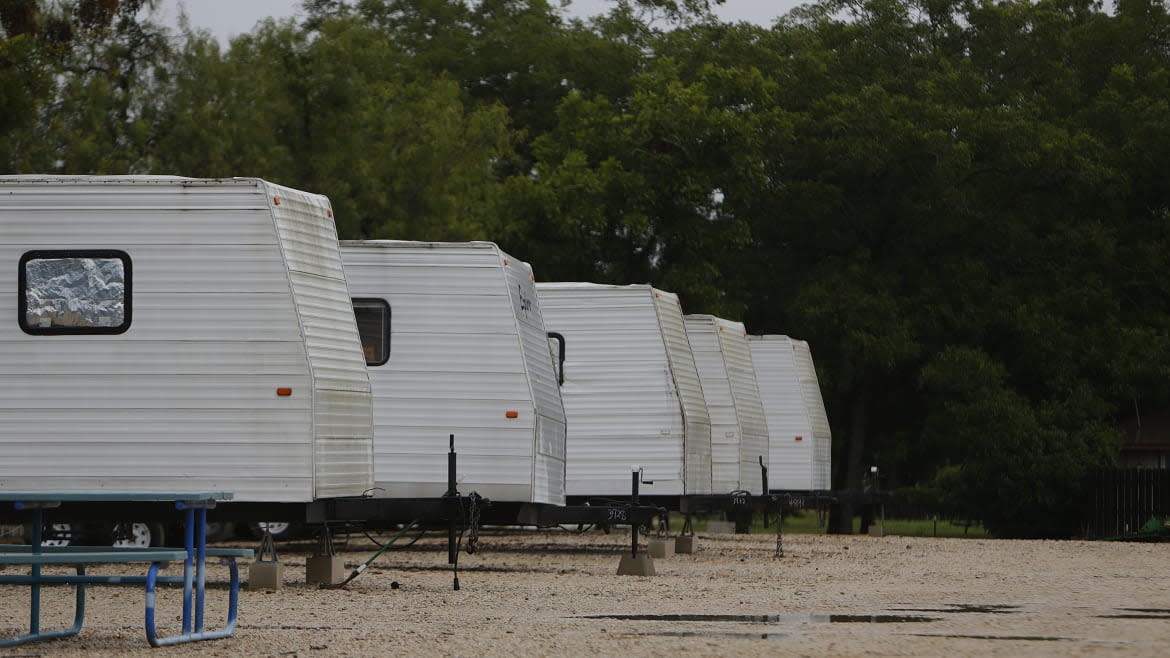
{"x": 959, "y": 203}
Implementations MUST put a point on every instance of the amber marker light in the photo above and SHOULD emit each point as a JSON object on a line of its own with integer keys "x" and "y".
{"x": 799, "y": 437}
{"x": 276, "y": 201}
{"x": 284, "y": 391}
{"x": 511, "y": 414}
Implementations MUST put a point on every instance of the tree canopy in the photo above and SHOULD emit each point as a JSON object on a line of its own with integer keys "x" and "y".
{"x": 958, "y": 203}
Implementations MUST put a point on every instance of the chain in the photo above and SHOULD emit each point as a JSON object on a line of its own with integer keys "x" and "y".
{"x": 267, "y": 548}
{"x": 325, "y": 543}
{"x": 473, "y": 523}
{"x": 779, "y": 533}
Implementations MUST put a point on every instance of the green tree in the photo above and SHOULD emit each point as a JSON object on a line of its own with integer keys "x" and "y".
{"x": 108, "y": 60}
{"x": 340, "y": 110}
{"x": 959, "y": 203}
{"x": 24, "y": 84}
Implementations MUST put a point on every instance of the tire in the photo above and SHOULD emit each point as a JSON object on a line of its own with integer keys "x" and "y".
{"x": 281, "y": 531}
{"x": 138, "y": 534}
{"x": 220, "y": 531}
{"x": 54, "y": 534}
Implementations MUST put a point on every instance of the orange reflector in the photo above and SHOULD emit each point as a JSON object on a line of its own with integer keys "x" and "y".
{"x": 505, "y": 262}
{"x": 799, "y": 437}
{"x": 329, "y": 212}
{"x": 276, "y": 201}
{"x": 284, "y": 391}
{"x": 511, "y": 414}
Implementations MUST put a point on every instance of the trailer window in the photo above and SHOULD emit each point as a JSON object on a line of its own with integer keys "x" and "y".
{"x": 74, "y": 292}
{"x": 373, "y": 321}
{"x": 558, "y": 355}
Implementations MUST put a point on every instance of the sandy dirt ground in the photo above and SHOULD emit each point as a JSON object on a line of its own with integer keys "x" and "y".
{"x": 542, "y": 593}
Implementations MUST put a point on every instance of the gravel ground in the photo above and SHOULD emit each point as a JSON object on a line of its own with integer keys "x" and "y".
{"x": 557, "y": 593}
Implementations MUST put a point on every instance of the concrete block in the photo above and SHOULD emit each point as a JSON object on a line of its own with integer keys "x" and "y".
{"x": 684, "y": 544}
{"x": 642, "y": 565}
{"x": 266, "y": 575}
{"x": 659, "y": 548}
{"x": 325, "y": 569}
{"x": 876, "y": 530}
{"x": 721, "y": 527}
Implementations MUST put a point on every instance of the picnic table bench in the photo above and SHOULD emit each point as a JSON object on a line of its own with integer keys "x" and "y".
{"x": 193, "y": 555}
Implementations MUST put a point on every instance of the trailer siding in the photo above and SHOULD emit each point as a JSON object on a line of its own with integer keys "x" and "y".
{"x": 218, "y": 323}
{"x": 343, "y": 406}
{"x": 792, "y": 441}
{"x": 621, "y": 396}
{"x": 739, "y": 433}
{"x": 460, "y": 360}
{"x": 822, "y": 455}
{"x": 696, "y": 421}
{"x": 549, "y": 464}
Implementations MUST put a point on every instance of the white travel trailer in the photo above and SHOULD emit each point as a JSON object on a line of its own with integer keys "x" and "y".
{"x": 175, "y": 334}
{"x": 632, "y": 393}
{"x": 801, "y": 444}
{"x": 455, "y": 344}
{"x": 739, "y": 432}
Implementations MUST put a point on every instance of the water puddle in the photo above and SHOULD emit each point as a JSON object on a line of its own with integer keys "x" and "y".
{"x": 990, "y": 609}
{"x": 770, "y": 619}
{"x": 870, "y": 619}
{"x": 723, "y": 634}
{"x": 1012, "y": 638}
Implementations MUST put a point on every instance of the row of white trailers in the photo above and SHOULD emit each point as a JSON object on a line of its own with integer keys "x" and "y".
{"x": 169, "y": 333}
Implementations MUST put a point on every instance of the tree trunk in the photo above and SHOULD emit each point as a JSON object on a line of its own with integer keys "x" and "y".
{"x": 841, "y": 515}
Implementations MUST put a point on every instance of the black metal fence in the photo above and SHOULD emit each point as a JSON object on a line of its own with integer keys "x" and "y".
{"x": 1122, "y": 500}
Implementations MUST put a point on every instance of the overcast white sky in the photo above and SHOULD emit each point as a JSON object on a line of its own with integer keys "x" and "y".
{"x": 227, "y": 18}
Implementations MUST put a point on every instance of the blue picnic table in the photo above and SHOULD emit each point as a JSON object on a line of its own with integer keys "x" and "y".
{"x": 194, "y": 554}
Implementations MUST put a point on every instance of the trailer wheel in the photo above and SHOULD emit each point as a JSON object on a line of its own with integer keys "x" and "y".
{"x": 52, "y": 534}
{"x": 218, "y": 531}
{"x": 281, "y": 531}
{"x": 140, "y": 535}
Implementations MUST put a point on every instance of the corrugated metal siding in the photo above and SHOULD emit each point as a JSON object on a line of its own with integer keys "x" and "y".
{"x": 73, "y": 356}
{"x": 739, "y": 433}
{"x": 187, "y": 395}
{"x": 791, "y": 435}
{"x": 753, "y": 438}
{"x": 549, "y": 469}
{"x": 343, "y": 433}
{"x": 703, "y": 333}
{"x": 456, "y": 367}
{"x": 696, "y": 421}
{"x": 620, "y": 398}
{"x": 811, "y": 389}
